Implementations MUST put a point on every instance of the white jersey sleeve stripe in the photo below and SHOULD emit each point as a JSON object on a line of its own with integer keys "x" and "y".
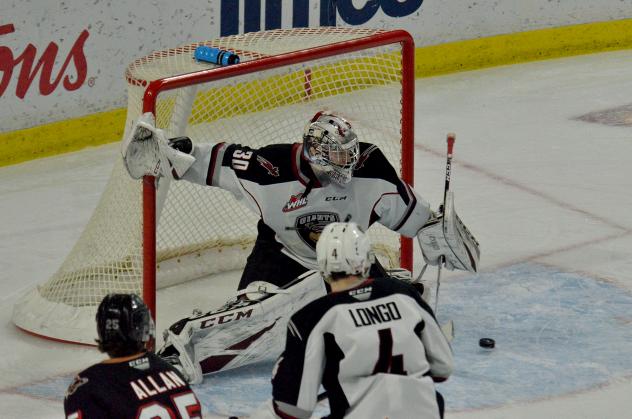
{"x": 215, "y": 164}
{"x": 294, "y": 330}
{"x": 412, "y": 201}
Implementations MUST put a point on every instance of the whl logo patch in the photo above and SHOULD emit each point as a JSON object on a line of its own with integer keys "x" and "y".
{"x": 296, "y": 201}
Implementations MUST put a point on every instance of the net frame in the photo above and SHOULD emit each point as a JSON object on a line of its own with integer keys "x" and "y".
{"x": 155, "y": 87}
{"x": 50, "y": 318}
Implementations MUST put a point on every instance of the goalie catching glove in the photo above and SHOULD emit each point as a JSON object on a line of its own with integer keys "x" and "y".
{"x": 146, "y": 151}
{"x": 445, "y": 238}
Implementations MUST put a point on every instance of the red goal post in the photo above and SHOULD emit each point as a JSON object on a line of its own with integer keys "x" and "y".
{"x": 147, "y": 235}
{"x": 169, "y": 83}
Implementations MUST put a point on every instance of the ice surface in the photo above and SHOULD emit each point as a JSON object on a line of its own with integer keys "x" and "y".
{"x": 547, "y": 195}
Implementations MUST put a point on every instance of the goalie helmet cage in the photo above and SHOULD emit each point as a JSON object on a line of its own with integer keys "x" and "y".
{"x": 285, "y": 76}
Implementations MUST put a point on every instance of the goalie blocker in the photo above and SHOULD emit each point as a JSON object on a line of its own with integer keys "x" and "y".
{"x": 445, "y": 239}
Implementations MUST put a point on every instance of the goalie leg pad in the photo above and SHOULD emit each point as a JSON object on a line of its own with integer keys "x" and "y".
{"x": 446, "y": 239}
{"x": 181, "y": 356}
{"x": 244, "y": 330}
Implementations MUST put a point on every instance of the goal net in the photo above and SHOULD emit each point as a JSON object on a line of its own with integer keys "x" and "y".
{"x": 283, "y": 79}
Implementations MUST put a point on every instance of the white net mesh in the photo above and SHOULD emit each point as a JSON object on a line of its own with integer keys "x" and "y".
{"x": 202, "y": 230}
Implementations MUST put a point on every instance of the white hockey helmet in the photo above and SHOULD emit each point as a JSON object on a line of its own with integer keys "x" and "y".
{"x": 331, "y": 146}
{"x": 344, "y": 248}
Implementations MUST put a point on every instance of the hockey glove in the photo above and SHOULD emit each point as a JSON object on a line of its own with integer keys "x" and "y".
{"x": 147, "y": 152}
{"x": 445, "y": 239}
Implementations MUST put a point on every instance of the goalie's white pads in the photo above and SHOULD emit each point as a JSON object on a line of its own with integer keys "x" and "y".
{"x": 258, "y": 290}
{"x": 183, "y": 359}
{"x": 243, "y": 331}
{"x": 146, "y": 152}
{"x": 446, "y": 237}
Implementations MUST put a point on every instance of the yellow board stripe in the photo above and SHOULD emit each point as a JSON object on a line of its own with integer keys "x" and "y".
{"x": 523, "y": 47}
{"x": 62, "y": 137}
{"x": 107, "y": 127}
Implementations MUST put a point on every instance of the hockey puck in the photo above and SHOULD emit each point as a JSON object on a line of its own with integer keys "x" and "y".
{"x": 487, "y": 343}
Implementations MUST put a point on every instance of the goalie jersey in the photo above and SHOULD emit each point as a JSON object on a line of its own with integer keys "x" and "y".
{"x": 145, "y": 387}
{"x": 376, "y": 349}
{"x": 278, "y": 184}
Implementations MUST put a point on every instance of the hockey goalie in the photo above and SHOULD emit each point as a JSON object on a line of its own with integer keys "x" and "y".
{"x": 296, "y": 190}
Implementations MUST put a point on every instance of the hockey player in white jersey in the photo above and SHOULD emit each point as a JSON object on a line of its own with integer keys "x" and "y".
{"x": 372, "y": 343}
{"x": 296, "y": 189}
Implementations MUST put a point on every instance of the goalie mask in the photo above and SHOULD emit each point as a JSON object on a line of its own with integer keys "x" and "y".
{"x": 331, "y": 146}
{"x": 343, "y": 248}
{"x": 124, "y": 325}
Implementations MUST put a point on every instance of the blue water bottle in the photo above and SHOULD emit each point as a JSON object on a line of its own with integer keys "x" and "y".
{"x": 215, "y": 55}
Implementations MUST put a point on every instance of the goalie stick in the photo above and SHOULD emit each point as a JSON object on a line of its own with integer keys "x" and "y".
{"x": 448, "y": 169}
{"x": 448, "y": 328}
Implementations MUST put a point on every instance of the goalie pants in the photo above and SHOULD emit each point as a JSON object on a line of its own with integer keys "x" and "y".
{"x": 267, "y": 263}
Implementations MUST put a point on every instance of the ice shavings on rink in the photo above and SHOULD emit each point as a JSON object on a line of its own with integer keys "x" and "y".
{"x": 240, "y": 391}
{"x": 236, "y": 392}
{"x": 556, "y": 333}
{"x": 52, "y": 388}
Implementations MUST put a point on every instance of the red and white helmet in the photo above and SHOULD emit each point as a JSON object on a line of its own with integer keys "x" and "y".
{"x": 331, "y": 146}
{"x": 344, "y": 248}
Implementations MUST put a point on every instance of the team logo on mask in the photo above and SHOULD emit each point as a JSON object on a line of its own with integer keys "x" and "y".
{"x": 266, "y": 164}
{"x": 309, "y": 226}
{"x": 296, "y": 201}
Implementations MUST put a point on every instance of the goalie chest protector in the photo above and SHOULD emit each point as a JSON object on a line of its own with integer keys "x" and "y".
{"x": 277, "y": 183}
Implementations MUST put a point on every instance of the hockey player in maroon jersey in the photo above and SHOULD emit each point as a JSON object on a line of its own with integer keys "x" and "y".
{"x": 296, "y": 189}
{"x": 372, "y": 343}
{"x": 133, "y": 383}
